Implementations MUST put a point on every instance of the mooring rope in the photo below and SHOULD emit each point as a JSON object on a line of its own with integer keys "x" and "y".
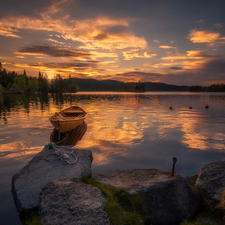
{"x": 62, "y": 154}
{"x": 60, "y": 151}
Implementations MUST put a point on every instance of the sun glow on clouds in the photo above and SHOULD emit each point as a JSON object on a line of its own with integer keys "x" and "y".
{"x": 104, "y": 46}
{"x": 128, "y": 55}
{"x": 204, "y": 37}
{"x": 58, "y": 42}
{"x": 96, "y": 38}
{"x": 190, "y": 55}
{"x": 166, "y": 47}
{"x": 100, "y": 32}
{"x": 8, "y": 32}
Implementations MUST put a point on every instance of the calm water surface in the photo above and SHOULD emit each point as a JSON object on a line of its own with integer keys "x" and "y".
{"x": 124, "y": 131}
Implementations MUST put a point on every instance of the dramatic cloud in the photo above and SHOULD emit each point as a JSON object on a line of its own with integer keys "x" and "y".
{"x": 53, "y": 52}
{"x": 100, "y": 32}
{"x": 107, "y": 39}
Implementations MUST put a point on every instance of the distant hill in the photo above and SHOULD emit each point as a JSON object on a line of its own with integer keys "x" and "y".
{"x": 113, "y": 85}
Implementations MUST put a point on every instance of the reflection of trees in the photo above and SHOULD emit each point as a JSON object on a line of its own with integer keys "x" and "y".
{"x": 60, "y": 99}
{"x": 44, "y": 101}
{"x": 217, "y": 98}
{"x": 14, "y": 102}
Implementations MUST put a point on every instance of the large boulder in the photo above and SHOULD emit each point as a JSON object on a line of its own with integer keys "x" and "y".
{"x": 28, "y": 182}
{"x": 211, "y": 182}
{"x": 70, "y": 201}
{"x": 168, "y": 200}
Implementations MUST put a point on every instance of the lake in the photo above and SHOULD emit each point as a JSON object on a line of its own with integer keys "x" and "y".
{"x": 124, "y": 131}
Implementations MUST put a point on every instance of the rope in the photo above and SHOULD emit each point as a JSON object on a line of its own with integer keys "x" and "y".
{"x": 62, "y": 154}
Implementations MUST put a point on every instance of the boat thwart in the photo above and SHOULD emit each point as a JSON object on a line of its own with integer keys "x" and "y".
{"x": 68, "y": 119}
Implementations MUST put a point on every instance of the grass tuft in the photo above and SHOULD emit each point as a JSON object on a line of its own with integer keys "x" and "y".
{"x": 33, "y": 219}
{"x": 122, "y": 208}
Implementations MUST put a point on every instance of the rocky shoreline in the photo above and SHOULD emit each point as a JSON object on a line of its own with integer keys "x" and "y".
{"x": 60, "y": 197}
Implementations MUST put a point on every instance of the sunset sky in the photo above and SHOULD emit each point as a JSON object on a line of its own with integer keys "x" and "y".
{"x": 170, "y": 41}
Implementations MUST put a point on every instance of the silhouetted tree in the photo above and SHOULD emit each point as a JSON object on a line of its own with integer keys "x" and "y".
{"x": 33, "y": 85}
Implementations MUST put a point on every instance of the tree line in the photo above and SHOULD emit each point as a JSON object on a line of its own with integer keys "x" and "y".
{"x": 13, "y": 82}
{"x": 211, "y": 88}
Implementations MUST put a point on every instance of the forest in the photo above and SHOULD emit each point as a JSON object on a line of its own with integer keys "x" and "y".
{"x": 11, "y": 82}
{"x": 211, "y": 88}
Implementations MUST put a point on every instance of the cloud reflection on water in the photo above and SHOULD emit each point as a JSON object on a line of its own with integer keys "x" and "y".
{"x": 116, "y": 123}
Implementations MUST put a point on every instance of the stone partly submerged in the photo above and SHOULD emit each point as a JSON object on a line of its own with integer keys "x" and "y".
{"x": 28, "y": 182}
{"x": 211, "y": 182}
{"x": 168, "y": 200}
{"x": 70, "y": 201}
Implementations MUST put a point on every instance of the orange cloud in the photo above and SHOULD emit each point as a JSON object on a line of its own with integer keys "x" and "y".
{"x": 204, "y": 37}
{"x": 147, "y": 55}
{"x": 97, "y": 54}
{"x": 8, "y": 32}
{"x": 100, "y": 32}
{"x": 190, "y": 55}
{"x": 58, "y": 42}
{"x": 128, "y": 55}
{"x": 56, "y": 52}
{"x": 166, "y": 47}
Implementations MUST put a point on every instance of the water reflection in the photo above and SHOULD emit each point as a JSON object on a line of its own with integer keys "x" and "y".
{"x": 125, "y": 130}
{"x": 69, "y": 138}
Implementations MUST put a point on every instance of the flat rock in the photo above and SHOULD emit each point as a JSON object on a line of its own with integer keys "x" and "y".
{"x": 70, "y": 201}
{"x": 28, "y": 182}
{"x": 168, "y": 200}
{"x": 211, "y": 182}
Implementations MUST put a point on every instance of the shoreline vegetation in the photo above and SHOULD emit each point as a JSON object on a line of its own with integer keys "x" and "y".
{"x": 13, "y": 83}
{"x": 124, "y": 209}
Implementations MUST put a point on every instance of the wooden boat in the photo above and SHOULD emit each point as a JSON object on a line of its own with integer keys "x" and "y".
{"x": 68, "y": 119}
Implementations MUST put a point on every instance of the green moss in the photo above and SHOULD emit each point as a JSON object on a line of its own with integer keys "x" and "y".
{"x": 122, "y": 208}
{"x": 33, "y": 219}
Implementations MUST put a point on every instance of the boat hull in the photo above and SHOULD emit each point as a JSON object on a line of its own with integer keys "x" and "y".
{"x": 68, "y": 119}
{"x": 71, "y": 138}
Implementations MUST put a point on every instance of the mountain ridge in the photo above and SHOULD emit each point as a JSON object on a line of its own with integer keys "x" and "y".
{"x": 113, "y": 85}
